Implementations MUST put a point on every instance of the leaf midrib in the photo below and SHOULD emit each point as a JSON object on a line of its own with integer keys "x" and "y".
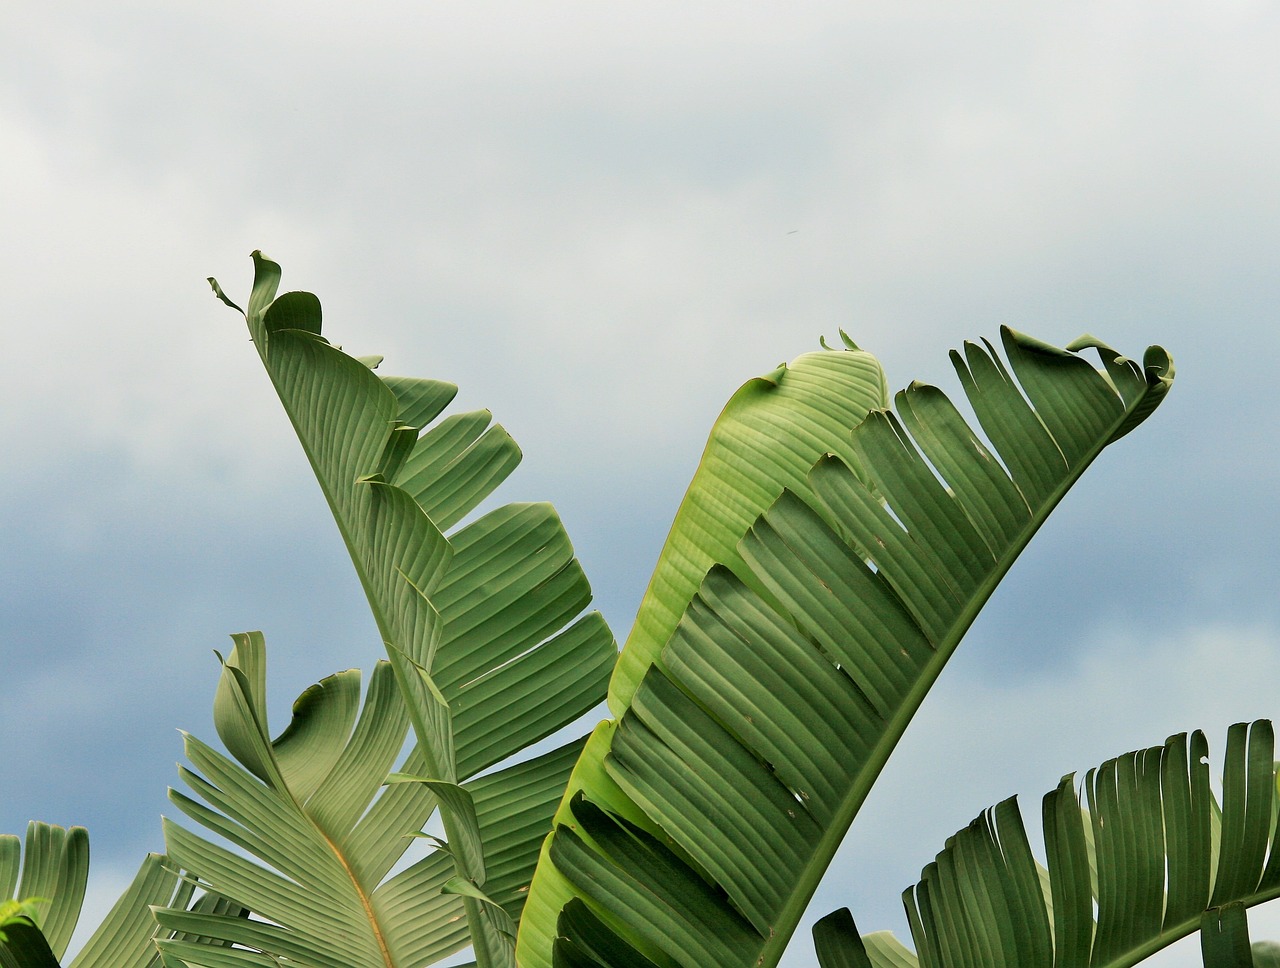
{"x": 1177, "y": 932}
{"x": 365, "y": 901}
{"x": 379, "y": 618}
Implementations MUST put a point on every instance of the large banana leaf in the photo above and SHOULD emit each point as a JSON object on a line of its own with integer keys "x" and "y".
{"x": 753, "y": 738}
{"x": 54, "y": 867}
{"x": 483, "y": 630}
{"x": 764, "y": 442}
{"x": 1142, "y": 857}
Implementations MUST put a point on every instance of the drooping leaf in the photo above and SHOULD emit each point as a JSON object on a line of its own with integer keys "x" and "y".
{"x": 757, "y": 731}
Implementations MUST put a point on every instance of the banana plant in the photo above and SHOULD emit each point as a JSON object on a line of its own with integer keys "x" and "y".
{"x": 825, "y": 562}
{"x": 1142, "y": 856}
{"x": 483, "y": 648}
{"x": 785, "y": 444}
{"x": 452, "y": 618}
{"x": 757, "y": 707}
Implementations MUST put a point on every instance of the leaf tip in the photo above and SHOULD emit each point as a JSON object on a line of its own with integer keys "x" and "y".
{"x": 217, "y": 291}
{"x": 1158, "y": 365}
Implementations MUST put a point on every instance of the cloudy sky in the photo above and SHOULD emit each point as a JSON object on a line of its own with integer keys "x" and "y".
{"x": 599, "y": 219}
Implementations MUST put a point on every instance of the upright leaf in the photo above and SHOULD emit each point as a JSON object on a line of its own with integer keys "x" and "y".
{"x": 1224, "y": 937}
{"x": 836, "y": 942}
{"x": 764, "y": 442}
{"x": 756, "y": 732}
{"x": 484, "y": 629}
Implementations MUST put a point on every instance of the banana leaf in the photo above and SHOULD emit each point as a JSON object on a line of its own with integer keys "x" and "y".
{"x": 488, "y": 648}
{"x": 317, "y": 827}
{"x": 1142, "y": 856}
{"x": 699, "y": 822}
{"x": 51, "y": 870}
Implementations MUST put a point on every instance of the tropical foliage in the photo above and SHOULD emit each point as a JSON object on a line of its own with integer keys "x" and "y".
{"x": 828, "y": 557}
{"x": 45, "y": 881}
{"x": 1148, "y": 857}
{"x": 487, "y": 650}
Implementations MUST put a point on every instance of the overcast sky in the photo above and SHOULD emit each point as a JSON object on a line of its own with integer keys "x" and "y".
{"x": 600, "y": 219}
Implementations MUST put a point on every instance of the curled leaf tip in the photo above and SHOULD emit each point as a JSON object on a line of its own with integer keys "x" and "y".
{"x": 1158, "y": 364}
{"x": 1086, "y": 341}
{"x": 217, "y": 291}
{"x": 849, "y": 344}
{"x": 1010, "y": 335}
{"x": 774, "y": 376}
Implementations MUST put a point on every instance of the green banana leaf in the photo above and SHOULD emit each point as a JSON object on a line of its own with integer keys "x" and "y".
{"x": 767, "y": 437}
{"x": 54, "y": 866}
{"x": 1142, "y": 857}
{"x": 313, "y": 808}
{"x": 764, "y": 442}
{"x": 24, "y": 946}
{"x": 697, "y": 826}
{"x": 488, "y": 647}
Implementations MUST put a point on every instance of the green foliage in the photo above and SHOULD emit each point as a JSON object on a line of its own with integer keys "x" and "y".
{"x": 54, "y": 865}
{"x": 1145, "y": 855}
{"x": 488, "y": 652}
{"x": 1224, "y": 937}
{"x": 826, "y": 561}
{"x": 54, "y": 870}
{"x": 1266, "y": 954}
{"x": 25, "y": 911}
{"x": 740, "y": 760}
